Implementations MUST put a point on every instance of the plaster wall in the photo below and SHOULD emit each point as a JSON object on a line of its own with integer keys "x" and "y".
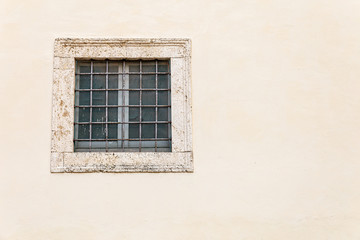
{"x": 276, "y": 112}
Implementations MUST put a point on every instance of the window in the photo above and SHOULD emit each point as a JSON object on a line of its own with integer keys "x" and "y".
{"x": 121, "y": 105}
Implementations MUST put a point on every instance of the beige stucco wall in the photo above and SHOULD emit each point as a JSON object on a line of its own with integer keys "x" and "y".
{"x": 276, "y": 111}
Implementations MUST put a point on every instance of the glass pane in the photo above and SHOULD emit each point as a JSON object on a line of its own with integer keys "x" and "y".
{"x": 148, "y": 66}
{"x": 112, "y": 131}
{"x": 134, "y": 97}
{"x": 98, "y": 98}
{"x": 134, "y": 114}
{"x": 162, "y": 130}
{"x": 148, "y": 114}
{"x": 84, "y": 82}
{"x": 148, "y": 98}
{"x": 163, "y": 98}
{"x": 163, "y": 81}
{"x": 134, "y": 81}
{"x": 84, "y": 98}
{"x": 163, "y": 66}
{"x": 163, "y": 114}
{"x": 114, "y": 66}
{"x": 99, "y": 67}
{"x": 98, "y": 131}
{"x": 147, "y": 130}
{"x": 134, "y": 66}
{"x": 113, "y": 97}
{"x": 148, "y": 81}
{"x": 84, "y": 114}
{"x": 84, "y": 67}
{"x": 99, "y": 81}
{"x": 113, "y": 81}
{"x": 83, "y": 131}
{"x": 112, "y": 114}
{"x": 99, "y": 114}
{"x": 133, "y": 130}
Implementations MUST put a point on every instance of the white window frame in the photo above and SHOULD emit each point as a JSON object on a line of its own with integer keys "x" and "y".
{"x": 66, "y": 52}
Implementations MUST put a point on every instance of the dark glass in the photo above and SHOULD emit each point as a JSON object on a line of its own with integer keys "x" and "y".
{"x": 98, "y": 114}
{"x": 84, "y": 114}
{"x": 162, "y": 130}
{"x": 134, "y": 130}
{"x": 83, "y": 131}
{"x": 113, "y": 66}
{"x": 134, "y": 81}
{"x": 84, "y": 82}
{"x": 113, "y": 97}
{"x": 112, "y": 131}
{"x": 84, "y": 98}
{"x": 98, "y": 98}
{"x": 148, "y": 81}
{"x": 163, "y": 98}
{"x": 99, "y": 67}
{"x": 148, "y": 98}
{"x": 134, "y": 66}
{"x": 112, "y": 114}
{"x": 99, "y": 82}
{"x": 148, "y": 66}
{"x": 134, "y": 97}
{"x": 84, "y": 67}
{"x": 163, "y": 81}
{"x": 163, "y": 66}
{"x": 134, "y": 114}
{"x": 148, "y": 114}
{"x": 148, "y": 130}
{"x": 163, "y": 114}
{"x": 113, "y": 81}
{"x": 98, "y": 131}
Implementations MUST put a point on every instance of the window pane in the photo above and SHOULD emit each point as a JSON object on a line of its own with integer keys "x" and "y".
{"x": 99, "y": 81}
{"x": 113, "y": 97}
{"x": 84, "y": 114}
{"x": 99, "y": 114}
{"x": 114, "y": 66}
{"x": 83, "y": 131}
{"x": 84, "y": 67}
{"x": 113, "y": 81}
{"x": 99, "y": 67}
{"x": 134, "y": 97}
{"x": 134, "y": 81}
{"x": 162, "y": 130}
{"x": 148, "y": 66}
{"x": 98, "y": 131}
{"x": 133, "y": 130}
{"x": 134, "y": 114}
{"x": 84, "y": 98}
{"x": 84, "y": 82}
{"x": 163, "y": 81}
{"x": 112, "y": 114}
{"x": 163, "y": 98}
{"x": 147, "y": 130}
{"x": 148, "y": 81}
{"x": 98, "y": 98}
{"x": 163, "y": 114}
{"x": 112, "y": 131}
{"x": 134, "y": 66}
{"x": 148, "y": 114}
{"x": 163, "y": 66}
{"x": 148, "y": 98}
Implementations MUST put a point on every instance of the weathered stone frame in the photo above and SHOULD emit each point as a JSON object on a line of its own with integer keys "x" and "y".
{"x": 63, "y": 157}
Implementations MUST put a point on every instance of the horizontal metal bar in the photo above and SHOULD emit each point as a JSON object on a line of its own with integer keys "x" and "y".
{"x": 125, "y": 139}
{"x": 126, "y": 73}
{"x": 89, "y": 106}
{"x": 125, "y": 89}
{"x": 146, "y": 122}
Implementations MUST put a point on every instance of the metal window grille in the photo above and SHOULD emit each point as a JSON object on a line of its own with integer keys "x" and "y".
{"x": 122, "y": 106}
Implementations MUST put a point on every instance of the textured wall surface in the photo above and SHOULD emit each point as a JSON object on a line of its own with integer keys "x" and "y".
{"x": 276, "y": 123}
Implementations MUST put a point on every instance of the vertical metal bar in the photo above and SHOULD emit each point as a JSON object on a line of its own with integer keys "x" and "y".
{"x": 156, "y": 102}
{"x": 140, "y": 106}
{"x": 123, "y": 108}
{"x": 90, "y": 120}
{"x": 169, "y": 108}
{"x": 106, "y": 103}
